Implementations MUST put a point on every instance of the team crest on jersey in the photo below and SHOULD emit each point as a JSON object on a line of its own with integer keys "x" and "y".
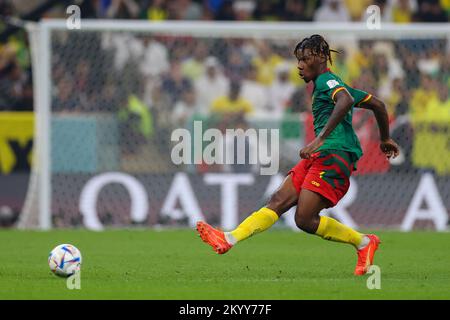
{"x": 332, "y": 83}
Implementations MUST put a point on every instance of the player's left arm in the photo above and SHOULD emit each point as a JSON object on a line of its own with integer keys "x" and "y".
{"x": 343, "y": 103}
{"x": 387, "y": 145}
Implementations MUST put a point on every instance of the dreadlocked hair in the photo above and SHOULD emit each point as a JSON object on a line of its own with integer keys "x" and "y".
{"x": 317, "y": 44}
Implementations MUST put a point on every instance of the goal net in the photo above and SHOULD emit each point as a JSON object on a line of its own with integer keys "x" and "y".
{"x": 112, "y": 96}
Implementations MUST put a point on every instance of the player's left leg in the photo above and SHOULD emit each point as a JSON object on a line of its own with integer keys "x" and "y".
{"x": 307, "y": 218}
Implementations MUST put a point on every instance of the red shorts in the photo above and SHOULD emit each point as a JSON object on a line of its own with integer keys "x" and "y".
{"x": 327, "y": 172}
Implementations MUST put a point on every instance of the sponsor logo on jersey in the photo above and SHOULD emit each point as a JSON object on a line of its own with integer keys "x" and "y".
{"x": 332, "y": 83}
{"x": 315, "y": 183}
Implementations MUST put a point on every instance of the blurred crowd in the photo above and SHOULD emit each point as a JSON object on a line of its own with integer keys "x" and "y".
{"x": 399, "y": 11}
{"x": 157, "y": 83}
{"x": 15, "y": 67}
{"x": 16, "y": 92}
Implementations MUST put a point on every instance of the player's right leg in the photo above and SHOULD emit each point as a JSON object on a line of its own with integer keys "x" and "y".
{"x": 325, "y": 183}
{"x": 308, "y": 219}
{"x": 281, "y": 201}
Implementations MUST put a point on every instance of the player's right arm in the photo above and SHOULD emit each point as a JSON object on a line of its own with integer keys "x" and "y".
{"x": 387, "y": 145}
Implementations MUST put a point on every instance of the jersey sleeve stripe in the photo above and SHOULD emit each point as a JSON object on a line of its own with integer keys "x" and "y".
{"x": 336, "y": 91}
{"x": 365, "y": 99}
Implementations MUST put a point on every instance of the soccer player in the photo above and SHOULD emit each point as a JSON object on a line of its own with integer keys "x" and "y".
{"x": 321, "y": 178}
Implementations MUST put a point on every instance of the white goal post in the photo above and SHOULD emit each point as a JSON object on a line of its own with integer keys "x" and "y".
{"x": 37, "y": 210}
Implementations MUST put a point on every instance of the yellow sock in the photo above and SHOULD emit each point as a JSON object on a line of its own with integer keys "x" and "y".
{"x": 330, "y": 229}
{"x": 259, "y": 221}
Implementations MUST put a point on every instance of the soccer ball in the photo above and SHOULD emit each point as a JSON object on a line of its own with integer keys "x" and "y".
{"x": 64, "y": 260}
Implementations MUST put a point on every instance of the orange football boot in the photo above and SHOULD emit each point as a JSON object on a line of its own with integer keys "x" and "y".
{"x": 366, "y": 254}
{"x": 214, "y": 237}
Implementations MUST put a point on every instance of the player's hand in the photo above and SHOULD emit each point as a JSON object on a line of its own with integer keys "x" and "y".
{"x": 307, "y": 151}
{"x": 390, "y": 148}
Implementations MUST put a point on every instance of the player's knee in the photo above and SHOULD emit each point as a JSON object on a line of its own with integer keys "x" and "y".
{"x": 306, "y": 224}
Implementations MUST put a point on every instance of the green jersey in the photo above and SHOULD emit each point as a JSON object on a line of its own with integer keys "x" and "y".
{"x": 343, "y": 137}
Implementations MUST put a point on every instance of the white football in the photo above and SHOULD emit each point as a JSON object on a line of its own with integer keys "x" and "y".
{"x": 64, "y": 260}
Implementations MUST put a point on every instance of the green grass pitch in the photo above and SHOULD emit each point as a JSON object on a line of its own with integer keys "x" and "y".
{"x": 176, "y": 264}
